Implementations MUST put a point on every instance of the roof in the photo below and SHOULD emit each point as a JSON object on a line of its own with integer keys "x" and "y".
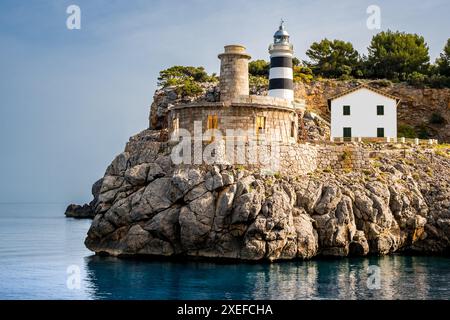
{"x": 281, "y": 31}
{"x": 363, "y": 86}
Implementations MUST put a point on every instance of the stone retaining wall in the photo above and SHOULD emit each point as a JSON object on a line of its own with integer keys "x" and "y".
{"x": 286, "y": 159}
{"x": 304, "y": 158}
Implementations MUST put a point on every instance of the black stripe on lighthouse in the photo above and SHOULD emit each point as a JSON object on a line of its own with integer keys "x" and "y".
{"x": 281, "y": 62}
{"x": 280, "y": 83}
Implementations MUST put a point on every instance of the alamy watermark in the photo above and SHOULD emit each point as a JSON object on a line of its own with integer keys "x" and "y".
{"x": 73, "y": 281}
{"x": 73, "y": 21}
{"x": 374, "y": 277}
{"x": 373, "y": 22}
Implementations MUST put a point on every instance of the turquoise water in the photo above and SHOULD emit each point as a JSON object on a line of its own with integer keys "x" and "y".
{"x": 37, "y": 245}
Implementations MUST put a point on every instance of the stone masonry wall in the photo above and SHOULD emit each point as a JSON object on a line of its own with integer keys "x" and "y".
{"x": 285, "y": 159}
{"x": 304, "y": 158}
{"x": 343, "y": 156}
{"x": 278, "y": 121}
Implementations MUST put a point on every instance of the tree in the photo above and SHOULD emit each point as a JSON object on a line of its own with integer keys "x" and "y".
{"x": 443, "y": 62}
{"x": 296, "y": 62}
{"x": 186, "y": 79}
{"x": 259, "y": 68}
{"x": 333, "y": 59}
{"x": 396, "y": 55}
{"x": 178, "y": 75}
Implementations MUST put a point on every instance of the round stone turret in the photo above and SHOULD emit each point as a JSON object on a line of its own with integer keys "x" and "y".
{"x": 233, "y": 72}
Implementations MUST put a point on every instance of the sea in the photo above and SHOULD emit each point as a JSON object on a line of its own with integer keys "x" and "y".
{"x": 42, "y": 256}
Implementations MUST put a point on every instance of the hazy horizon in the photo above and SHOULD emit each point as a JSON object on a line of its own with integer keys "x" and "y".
{"x": 70, "y": 99}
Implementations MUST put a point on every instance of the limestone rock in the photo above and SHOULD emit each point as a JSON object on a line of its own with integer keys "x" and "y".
{"x": 196, "y": 221}
{"x": 137, "y": 175}
{"x": 79, "y": 212}
{"x": 145, "y": 205}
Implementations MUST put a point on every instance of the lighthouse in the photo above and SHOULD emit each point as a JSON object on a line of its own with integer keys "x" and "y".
{"x": 281, "y": 74}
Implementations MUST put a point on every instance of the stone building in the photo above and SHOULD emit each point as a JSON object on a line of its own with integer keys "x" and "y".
{"x": 250, "y": 117}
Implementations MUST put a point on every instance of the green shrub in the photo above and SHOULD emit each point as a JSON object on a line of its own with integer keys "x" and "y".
{"x": 438, "y": 81}
{"x": 406, "y": 131}
{"x": 258, "y": 81}
{"x": 422, "y": 132}
{"x": 384, "y": 83}
{"x": 346, "y": 155}
{"x": 259, "y": 68}
{"x": 416, "y": 79}
{"x": 436, "y": 118}
{"x": 302, "y": 73}
{"x": 189, "y": 88}
{"x": 359, "y": 74}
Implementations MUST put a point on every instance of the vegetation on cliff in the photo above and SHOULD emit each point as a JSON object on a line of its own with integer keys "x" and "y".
{"x": 186, "y": 79}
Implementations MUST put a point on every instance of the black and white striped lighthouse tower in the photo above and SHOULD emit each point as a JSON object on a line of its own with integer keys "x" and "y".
{"x": 281, "y": 73}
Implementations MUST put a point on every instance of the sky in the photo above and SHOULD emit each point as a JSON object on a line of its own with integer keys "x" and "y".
{"x": 70, "y": 99}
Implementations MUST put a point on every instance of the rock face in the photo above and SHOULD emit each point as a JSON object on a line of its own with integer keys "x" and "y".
{"x": 147, "y": 206}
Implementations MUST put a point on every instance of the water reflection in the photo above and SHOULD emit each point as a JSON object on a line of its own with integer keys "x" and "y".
{"x": 38, "y": 244}
{"x": 402, "y": 277}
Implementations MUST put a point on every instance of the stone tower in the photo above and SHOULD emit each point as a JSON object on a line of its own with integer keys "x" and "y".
{"x": 233, "y": 72}
{"x": 281, "y": 73}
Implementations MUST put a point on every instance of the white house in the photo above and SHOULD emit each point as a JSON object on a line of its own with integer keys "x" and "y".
{"x": 363, "y": 112}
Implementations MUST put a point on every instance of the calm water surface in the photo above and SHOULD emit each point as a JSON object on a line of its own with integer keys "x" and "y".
{"x": 37, "y": 245}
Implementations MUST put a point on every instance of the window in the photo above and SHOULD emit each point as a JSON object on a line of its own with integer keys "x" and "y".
{"x": 380, "y": 110}
{"x": 213, "y": 123}
{"x": 260, "y": 124}
{"x": 175, "y": 124}
{"x": 380, "y": 132}
{"x": 347, "y": 132}
{"x": 292, "y": 129}
{"x": 346, "y": 110}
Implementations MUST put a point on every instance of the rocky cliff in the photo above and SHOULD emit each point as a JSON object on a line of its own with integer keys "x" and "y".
{"x": 148, "y": 206}
{"x": 145, "y": 205}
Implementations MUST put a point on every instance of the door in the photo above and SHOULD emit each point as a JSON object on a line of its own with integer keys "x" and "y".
{"x": 347, "y": 133}
{"x": 380, "y": 132}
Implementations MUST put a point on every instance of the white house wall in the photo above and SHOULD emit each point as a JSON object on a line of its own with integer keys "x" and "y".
{"x": 363, "y": 118}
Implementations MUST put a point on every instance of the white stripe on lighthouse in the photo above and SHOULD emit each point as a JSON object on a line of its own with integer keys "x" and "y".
{"x": 282, "y": 93}
{"x": 285, "y": 73}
